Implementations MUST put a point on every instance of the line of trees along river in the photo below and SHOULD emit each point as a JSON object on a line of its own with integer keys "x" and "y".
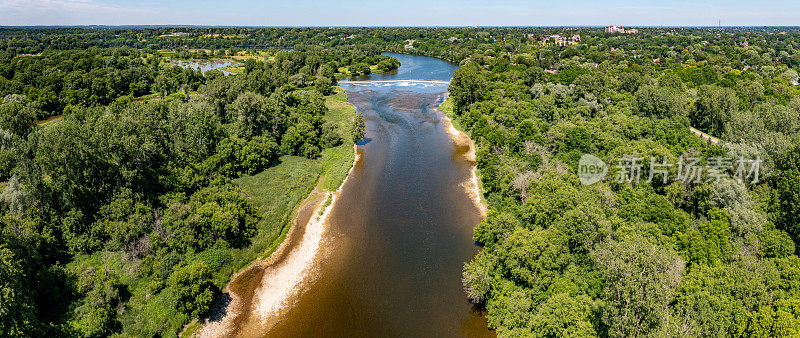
{"x": 110, "y": 214}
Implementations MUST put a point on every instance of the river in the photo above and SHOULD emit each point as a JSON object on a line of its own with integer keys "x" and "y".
{"x": 401, "y": 229}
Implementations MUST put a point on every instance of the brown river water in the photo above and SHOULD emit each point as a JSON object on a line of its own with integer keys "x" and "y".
{"x": 399, "y": 232}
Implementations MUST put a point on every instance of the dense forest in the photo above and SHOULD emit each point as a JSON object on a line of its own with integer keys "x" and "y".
{"x": 128, "y": 213}
{"x": 629, "y": 257}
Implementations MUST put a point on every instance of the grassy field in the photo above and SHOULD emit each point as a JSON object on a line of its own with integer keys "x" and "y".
{"x": 340, "y": 111}
{"x": 336, "y": 162}
{"x": 276, "y": 191}
{"x": 233, "y": 68}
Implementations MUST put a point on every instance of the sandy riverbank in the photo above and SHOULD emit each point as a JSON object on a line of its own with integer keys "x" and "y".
{"x": 260, "y": 293}
{"x": 280, "y": 287}
{"x": 461, "y": 139}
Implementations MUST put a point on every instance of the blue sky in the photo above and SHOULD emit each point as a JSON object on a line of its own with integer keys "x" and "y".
{"x": 398, "y": 13}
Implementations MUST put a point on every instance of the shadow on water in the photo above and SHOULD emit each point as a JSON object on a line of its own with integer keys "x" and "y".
{"x": 364, "y": 140}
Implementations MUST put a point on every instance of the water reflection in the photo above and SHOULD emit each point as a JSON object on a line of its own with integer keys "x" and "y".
{"x": 204, "y": 66}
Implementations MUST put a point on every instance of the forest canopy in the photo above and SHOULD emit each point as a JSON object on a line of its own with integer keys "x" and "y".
{"x": 123, "y": 210}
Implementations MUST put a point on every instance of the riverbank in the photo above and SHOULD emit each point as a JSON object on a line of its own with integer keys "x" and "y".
{"x": 242, "y": 290}
{"x": 266, "y": 283}
{"x": 261, "y": 291}
{"x": 461, "y": 139}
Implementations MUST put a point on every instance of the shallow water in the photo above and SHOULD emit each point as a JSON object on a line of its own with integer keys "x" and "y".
{"x": 401, "y": 230}
{"x": 204, "y": 66}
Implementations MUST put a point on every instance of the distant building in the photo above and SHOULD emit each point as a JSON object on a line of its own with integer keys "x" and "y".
{"x": 620, "y": 29}
{"x": 560, "y": 40}
{"x": 179, "y": 34}
{"x": 409, "y": 47}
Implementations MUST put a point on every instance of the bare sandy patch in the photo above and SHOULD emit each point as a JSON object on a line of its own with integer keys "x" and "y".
{"x": 461, "y": 139}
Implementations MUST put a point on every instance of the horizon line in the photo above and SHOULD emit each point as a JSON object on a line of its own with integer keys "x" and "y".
{"x": 397, "y": 26}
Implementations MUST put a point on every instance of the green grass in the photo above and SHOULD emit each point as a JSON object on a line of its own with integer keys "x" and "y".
{"x": 192, "y": 329}
{"x": 147, "y": 315}
{"x": 336, "y": 163}
{"x": 233, "y": 68}
{"x": 276, "y": 192}
{"x": 340, "y": 111}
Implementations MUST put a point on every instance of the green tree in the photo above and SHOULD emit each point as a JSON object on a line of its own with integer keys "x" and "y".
{"x": 17, "y": 114}
{"x": 562, "y": 315}
{"x": 781, "y": 319}
{"x": 252, "y": 114}
{"x": 787, "y": 206}
{"x": 658, "y": 102}
{"x": 467, "y": 86}
{"x": 641, "y": 281}
{"x": 359, "y": 127}
{"x": 714, "y": 108}
{"x": 775, "y": 243}
{"x": 215, "y": 213}
{"x": 101, "y": 289}
{"x": 323, "y": 85}
{"x": 16, "y": 311}
{"x": 330, "y": 134}
{"x": 478, "y": 277}
{"x": 359, "y": 69}
{"x": 165, "y": 84}
{"x": 192, "y": 288}
{"x": 496, "y": 227}
{"x": 709, "y": 243}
